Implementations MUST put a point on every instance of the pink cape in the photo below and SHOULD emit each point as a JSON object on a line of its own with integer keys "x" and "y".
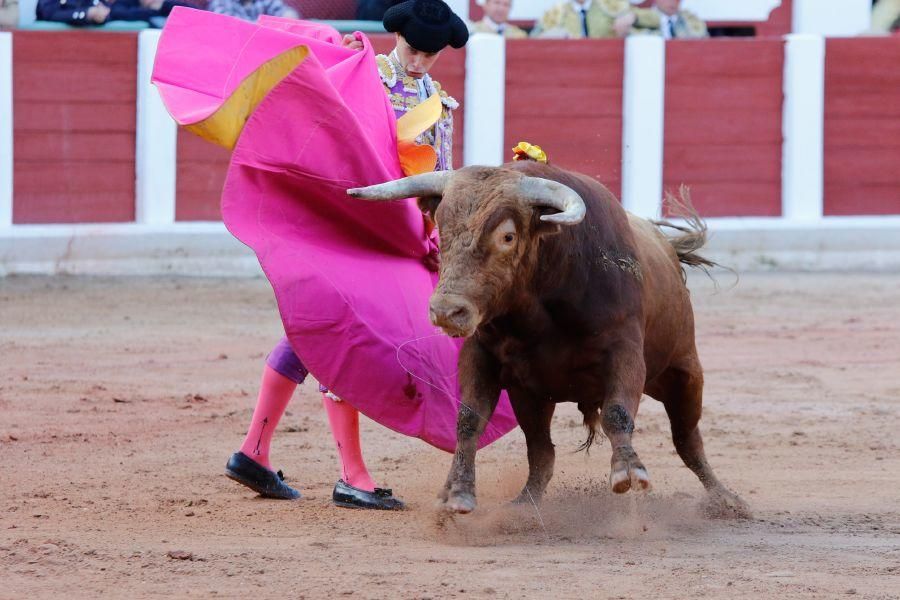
{"x": 347, "y": 274}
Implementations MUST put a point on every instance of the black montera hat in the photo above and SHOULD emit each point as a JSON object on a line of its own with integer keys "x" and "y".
{"x": 428, "y": 25}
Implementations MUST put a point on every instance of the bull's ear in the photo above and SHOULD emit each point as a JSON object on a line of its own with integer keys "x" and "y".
{"x": 429, "y": 204}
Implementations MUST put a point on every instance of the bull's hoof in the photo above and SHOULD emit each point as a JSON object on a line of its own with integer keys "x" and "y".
{"x": 722, "y": 503}
{"x": 525, "y": 498}
{"x": 628, "y": 472}
{"x": 460, "y": 502}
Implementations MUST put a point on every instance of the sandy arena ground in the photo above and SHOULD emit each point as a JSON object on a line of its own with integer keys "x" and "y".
{"x": 121, "y": 400}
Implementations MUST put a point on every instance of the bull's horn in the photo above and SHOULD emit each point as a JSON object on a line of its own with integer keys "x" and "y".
{"x": 416, "y": 186}
{"x": 537, "y": 191}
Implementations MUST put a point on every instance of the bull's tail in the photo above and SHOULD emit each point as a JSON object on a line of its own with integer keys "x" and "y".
{"x": 693, "y": 232}
{"x": 591, "y": 423}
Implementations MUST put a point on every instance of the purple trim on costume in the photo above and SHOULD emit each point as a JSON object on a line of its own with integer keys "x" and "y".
{"x": 283, "y": 360}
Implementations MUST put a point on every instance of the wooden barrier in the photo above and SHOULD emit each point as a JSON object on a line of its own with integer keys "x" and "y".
{"x": 566, "y": 96}
{"x": 199, "y": 178}
{"x": 723, "y": 125}
{"x": 74, "y": 103}
{"x": 862, "y": 126}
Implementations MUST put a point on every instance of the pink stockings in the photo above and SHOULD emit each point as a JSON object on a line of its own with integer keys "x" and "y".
{"x": 344, "y": 420}
{"x": 274, "y": 394}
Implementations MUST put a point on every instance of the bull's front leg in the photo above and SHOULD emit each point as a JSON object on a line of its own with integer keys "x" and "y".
{"x": 479, "y": 376}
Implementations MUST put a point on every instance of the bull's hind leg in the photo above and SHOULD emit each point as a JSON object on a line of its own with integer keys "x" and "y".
{"x": 681, "y": 392}
{"x": 534, "y": 416}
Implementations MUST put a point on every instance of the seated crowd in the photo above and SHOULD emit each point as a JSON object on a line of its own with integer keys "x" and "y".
{"x": 575, "y": 19}
{"x": 568, "y": 19}
{"x": 97, "y": 12}
{"x": 886, "y": 17}
{"x": 572, "y": 19}
{"x": 9, "y": 13}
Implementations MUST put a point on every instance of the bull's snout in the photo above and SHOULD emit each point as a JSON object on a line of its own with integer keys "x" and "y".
{"x": 454, "y": 314}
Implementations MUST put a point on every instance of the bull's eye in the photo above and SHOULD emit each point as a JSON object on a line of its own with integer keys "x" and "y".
{"x": 505, "y": 236}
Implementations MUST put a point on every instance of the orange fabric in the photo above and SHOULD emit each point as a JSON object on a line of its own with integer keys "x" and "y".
{"x": 417, "y": 158}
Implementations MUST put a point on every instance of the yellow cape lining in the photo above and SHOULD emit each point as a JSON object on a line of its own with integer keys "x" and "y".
{"x": 224, "y": 126}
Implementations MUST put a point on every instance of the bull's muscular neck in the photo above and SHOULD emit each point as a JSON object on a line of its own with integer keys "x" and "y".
{"x": 579, "y": 278}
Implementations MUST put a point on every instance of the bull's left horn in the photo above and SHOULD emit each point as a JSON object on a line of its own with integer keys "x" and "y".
{"x": 537, "y": 191}
{"x": 416, "y": 186}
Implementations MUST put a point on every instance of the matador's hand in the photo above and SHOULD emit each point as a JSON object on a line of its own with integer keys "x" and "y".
{"x": 351, "y": 42}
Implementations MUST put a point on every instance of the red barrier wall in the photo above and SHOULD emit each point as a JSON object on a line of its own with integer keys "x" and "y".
{"x": 862, "y": 126}
{"x": 723, "y": 125}
{"x": 780, "y": 21}
{"x": 199, "y": 178}
{"x": 202, "y": 166}
{"x": 75, "y": 112}
{"x": 566, "y": 96}
{"x": 74, "y": 107}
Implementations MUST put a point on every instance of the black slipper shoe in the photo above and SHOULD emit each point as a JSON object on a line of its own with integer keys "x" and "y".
{"x": 347, "y": 496}
{"x": 265, "y": 482}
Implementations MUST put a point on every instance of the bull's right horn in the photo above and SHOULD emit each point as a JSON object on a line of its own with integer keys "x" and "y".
{"x": 537, "y": 191}
{"x": 416, "y": 186}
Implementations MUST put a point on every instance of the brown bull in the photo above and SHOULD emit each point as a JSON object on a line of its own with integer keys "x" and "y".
{"x": 564, "y": 297}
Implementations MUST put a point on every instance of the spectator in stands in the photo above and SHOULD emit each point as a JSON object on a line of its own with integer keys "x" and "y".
{"x": 886, "y": 16}
{"x": 9, "y": 13}
{"x": 98, "y": 12}
{"x": 594, "y": 19}
{"x": 675, "y": 23}
{"x": 496, "y": 20}
{"x": 250, "y": 10}
{"x": 371, "y": 10}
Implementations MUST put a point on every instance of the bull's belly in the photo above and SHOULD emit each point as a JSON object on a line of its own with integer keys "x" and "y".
{"x": 555, "y": 381}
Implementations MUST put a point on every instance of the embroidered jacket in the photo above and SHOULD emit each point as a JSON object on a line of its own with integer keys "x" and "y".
{"x": 684, "y": 25}
{"x": 407, "y": 92}
{"x": 563, "y": 21}
{"x": 508, "y": 30}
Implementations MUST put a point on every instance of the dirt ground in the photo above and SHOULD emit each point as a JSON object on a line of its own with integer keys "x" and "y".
{"x": 121, "y": 400}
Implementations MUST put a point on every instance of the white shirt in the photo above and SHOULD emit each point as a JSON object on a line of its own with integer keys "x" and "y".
{"x": 493, "y": 25}
{"x": 667, "y": 25}
{"x": 582, "y": 7}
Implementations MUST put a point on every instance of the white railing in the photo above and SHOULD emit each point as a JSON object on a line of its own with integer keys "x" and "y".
{"x": 6, "y": 131}
{"x": 643, "y": 120}
{"x": 157, "y": 139}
